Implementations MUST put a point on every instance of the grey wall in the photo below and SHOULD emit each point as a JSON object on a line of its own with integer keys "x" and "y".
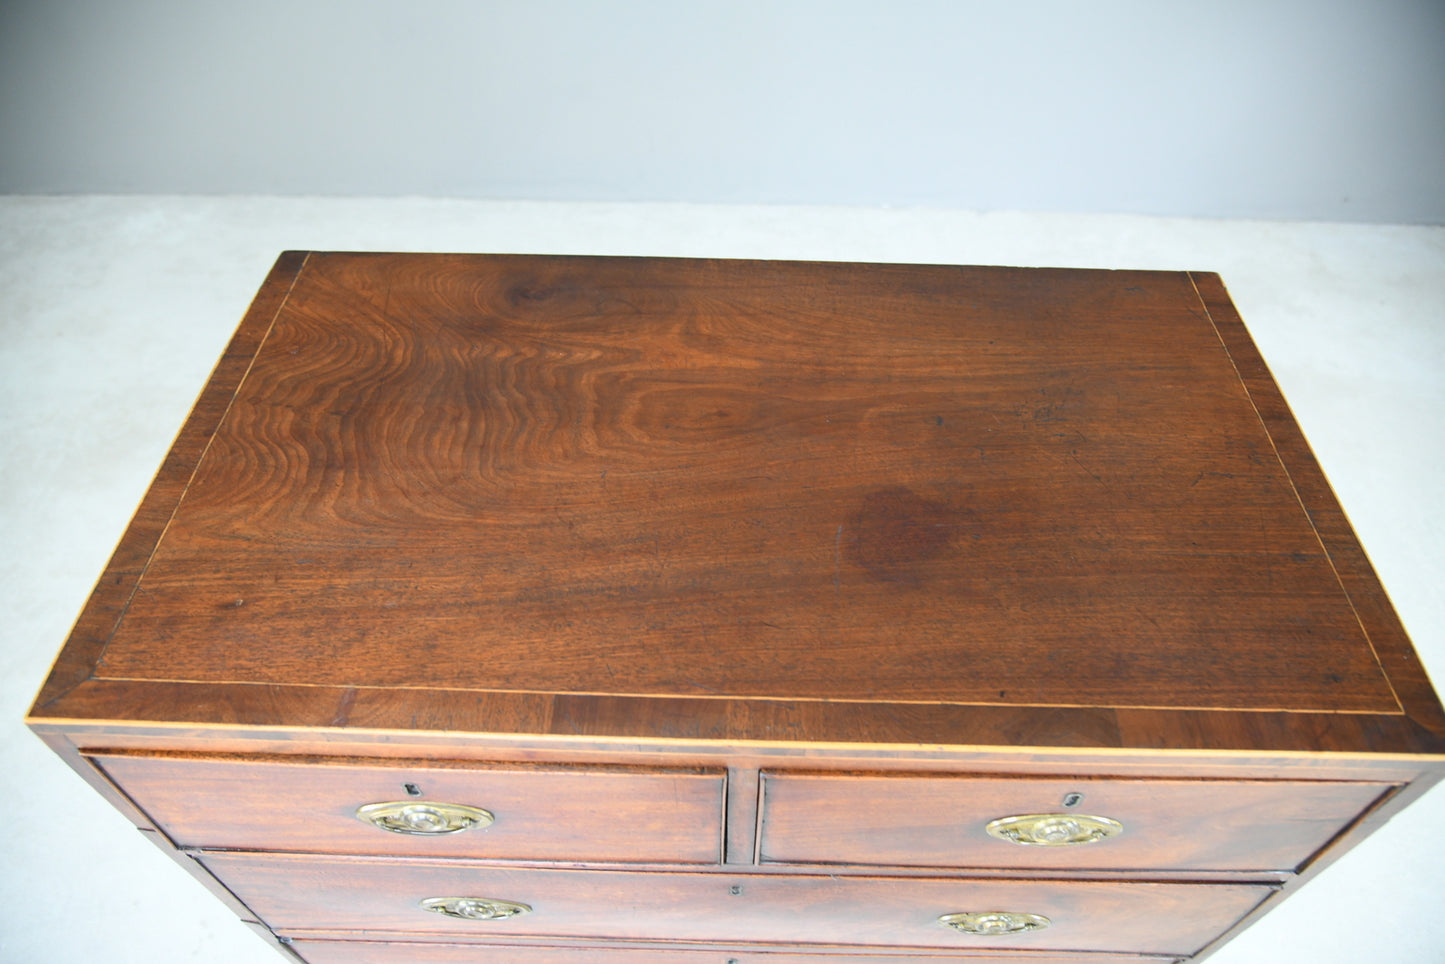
{"x": 1332, "y": 109}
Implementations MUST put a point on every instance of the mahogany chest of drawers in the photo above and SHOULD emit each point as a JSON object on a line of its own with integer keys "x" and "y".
{"x": 564, "y": 610}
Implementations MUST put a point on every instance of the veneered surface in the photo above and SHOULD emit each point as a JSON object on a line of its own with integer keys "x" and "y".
{"x": 761, "y": 480}
{"x": 935, "y": 821}
{"x": 295, "y": 894}
{"x": 623, "y": 814}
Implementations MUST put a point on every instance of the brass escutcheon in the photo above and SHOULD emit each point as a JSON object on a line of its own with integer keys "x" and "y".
{"x": 408, "y": 816}
{"x": 992, "y": 923}
{"x": 1054, "y": 829}
{"x": 475, "y": 908}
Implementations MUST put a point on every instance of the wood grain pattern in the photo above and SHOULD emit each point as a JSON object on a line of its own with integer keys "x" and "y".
{"x": 633, "y": 336}
{"x": 117, "y": 584}
{"x": 711, "y": 478}
{"x": 931, "y": 821}
{"x": 627, "y": 814}
{"x": 1357, "y": 576}
{"x": 293, "y": 893}
{"x": 235, "y": 716}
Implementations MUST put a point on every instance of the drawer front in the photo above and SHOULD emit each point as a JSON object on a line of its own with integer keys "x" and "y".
{"x": 374, "y": 952}
{"x": 942, "y": 821}
{"x": 294, "y": 894}
{"x": 539, "y": 813}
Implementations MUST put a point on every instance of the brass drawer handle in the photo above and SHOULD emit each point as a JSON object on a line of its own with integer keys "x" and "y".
{"x": 1054, "y": 829}
{"x": 475, "y": 908}
{"x": 992, "y": 923}
{"x": 408, "y": 816}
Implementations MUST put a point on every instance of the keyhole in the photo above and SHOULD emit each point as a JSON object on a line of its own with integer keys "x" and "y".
{"x": 1073, "y": 799}
{"x": 412, "y": 790}
{"x": 736, "y": 890}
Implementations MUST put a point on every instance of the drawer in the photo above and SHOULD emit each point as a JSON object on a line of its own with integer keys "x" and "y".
{"x": 397, "y": 952}
{"x": 539, "y": 813}
{"x": 943, "y": 821}
{"x": 369, "y": 896}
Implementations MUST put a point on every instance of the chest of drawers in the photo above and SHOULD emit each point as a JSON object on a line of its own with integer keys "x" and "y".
{"x": 559, "y": 610}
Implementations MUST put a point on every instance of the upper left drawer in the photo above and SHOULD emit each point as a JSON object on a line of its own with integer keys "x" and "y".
{"x": 523, "y": 812}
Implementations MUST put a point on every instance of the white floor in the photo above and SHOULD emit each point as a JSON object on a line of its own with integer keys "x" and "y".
{"x": 114, "y": 309}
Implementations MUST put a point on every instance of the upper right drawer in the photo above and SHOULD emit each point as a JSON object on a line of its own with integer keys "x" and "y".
{"x": 926, "y": 820}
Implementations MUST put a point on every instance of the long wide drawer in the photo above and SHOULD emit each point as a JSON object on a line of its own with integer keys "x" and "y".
{"x": 295, "y": 894}
{"x": 402, "y": 952}
{"x": 922, "y": 820}
{"x": 633, "y": 814}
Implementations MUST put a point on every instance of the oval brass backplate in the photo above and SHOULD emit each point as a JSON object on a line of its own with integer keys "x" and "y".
{"x": 1054, "y": 829}
{"x": 992, "y": 923}
{"x": 409, "y": 816}
{"x": 475, "y": 908}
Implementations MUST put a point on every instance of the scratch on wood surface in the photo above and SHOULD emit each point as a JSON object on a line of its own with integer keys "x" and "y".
{"x": 1093, "y": 475}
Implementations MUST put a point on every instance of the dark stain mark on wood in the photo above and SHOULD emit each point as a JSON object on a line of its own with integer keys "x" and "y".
{"x": 897, "y": 533}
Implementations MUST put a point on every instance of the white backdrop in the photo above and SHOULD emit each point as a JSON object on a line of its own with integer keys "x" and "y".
{"x": 1313, "y": 109}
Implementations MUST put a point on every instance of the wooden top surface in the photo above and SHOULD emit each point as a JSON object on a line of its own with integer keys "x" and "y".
{"x": 747, "y": 481}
